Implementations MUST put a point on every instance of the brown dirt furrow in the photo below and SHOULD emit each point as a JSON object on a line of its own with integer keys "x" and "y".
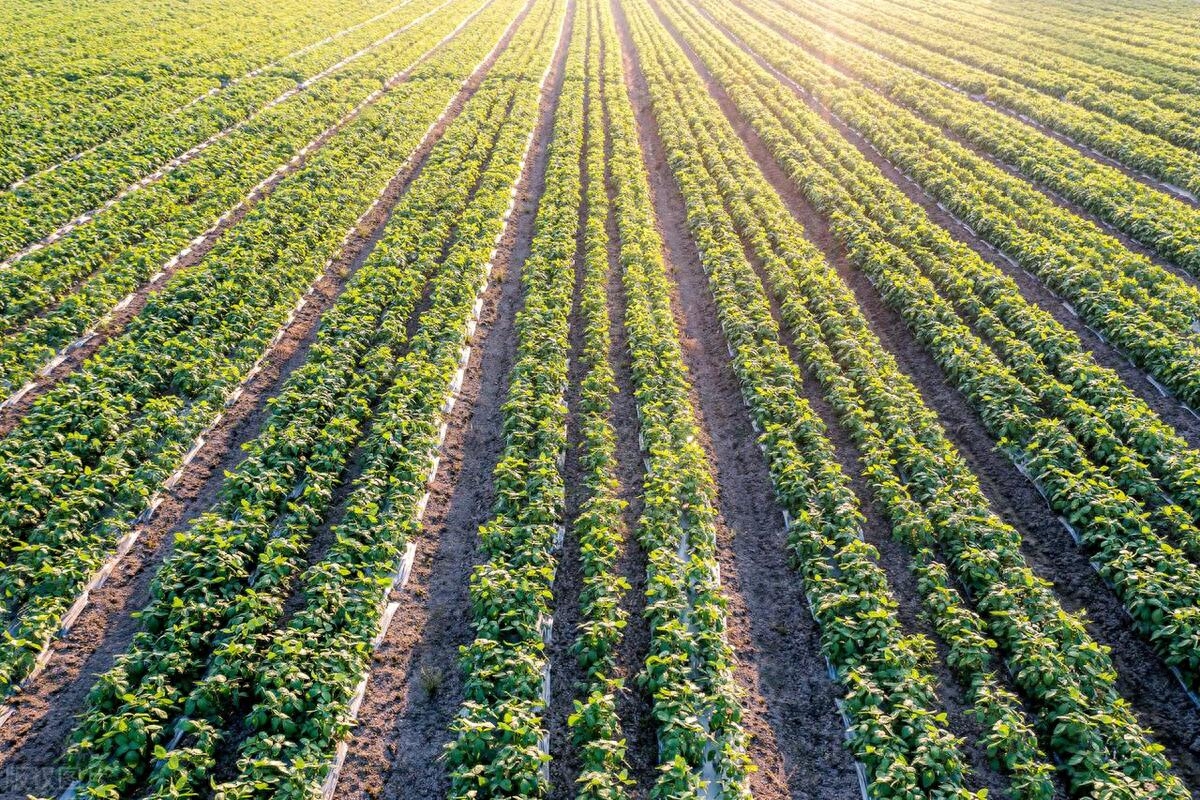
{"x": 74, "y": 355}
{"x": 32, "y": 741}
{"x": 634, "y": 707}
{"x": 789, "y": 698}
{"x": 565, "y": 672}
{"x": 414, "y": 689}
{"x": 1153, "y": 692}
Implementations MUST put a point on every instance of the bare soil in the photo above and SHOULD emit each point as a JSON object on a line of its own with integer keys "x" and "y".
{"x": 414, "y": 688}
{"x": 789, "y": 698}
{"x": 565, "y": 672}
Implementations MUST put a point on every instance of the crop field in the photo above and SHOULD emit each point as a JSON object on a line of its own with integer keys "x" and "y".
{"x": 600, "y": 399}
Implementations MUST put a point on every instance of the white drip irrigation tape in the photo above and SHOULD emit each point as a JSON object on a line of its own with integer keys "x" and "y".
{"x": 399, "y": 580}
{"x": 1022, "y": 466}
{"x": 859, "y": 769}
{"x": 254, "y": 73}
{"x": 329, "y": 786}
{"x": 1037, "y": 279}
{"x": 252, "y": 196}
{"x": 196, "y": 150}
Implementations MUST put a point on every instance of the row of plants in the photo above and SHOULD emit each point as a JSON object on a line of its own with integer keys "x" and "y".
{"x": 594, "y": 726}
{"x": 55, "y": 294}
{"x": 917, "y": 471}
{"x": 68, "y": 89}
{"x": 1074, "y": 257}
{"x": 1138, "y": 25}
{"x": 1147, "y": 459}
{"x": 1110, "y": 287}
{"x": 83, "y": 462}
{"x": 216, "y": 601}
{"x": 116, "y": 41}
{"x": 307, "y": 688}
{"x": 1140, "y": 307}
{"x": 1133, "y": 24}
{"x": 897, "y": 728}
{"x": 52, "y": 198}
{"x": 688, "y": 671}
{"x": 928, "y": 493}
{"x": 1146, "y": 106}
{"x": 1140, "y": 151}
{"x": 1082, "y": 37}
{"x": 1161, "y": 222}
{"x": 500, "y": 746}
{"x": 1161, "y": 599}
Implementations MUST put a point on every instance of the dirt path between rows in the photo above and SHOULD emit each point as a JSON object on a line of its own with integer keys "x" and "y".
{"x": 789, "y": 698}
{"x": 32, "y": 742}
{"x": 634, "y": 706}
{"x": 1153, "y": 692}
{"x": 415, "y": 683}
{"x": 565, "y": 673}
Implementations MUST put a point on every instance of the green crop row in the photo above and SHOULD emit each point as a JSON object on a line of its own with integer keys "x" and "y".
{"x": 72, "y": 83}
{"x": 86, "y": 459}
{"x": 1141, "y": 104}
{"x": 92, "y": 179}
{"x": 595, "y": 727}
{"x": 689, "y": 669}
{"x": 55, "y": 294}
{"x": 1163, "y": 223}
{"x": 210, "y": 637}
{"x": 933, "y": 500}
{"x": 501, "y": 747}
